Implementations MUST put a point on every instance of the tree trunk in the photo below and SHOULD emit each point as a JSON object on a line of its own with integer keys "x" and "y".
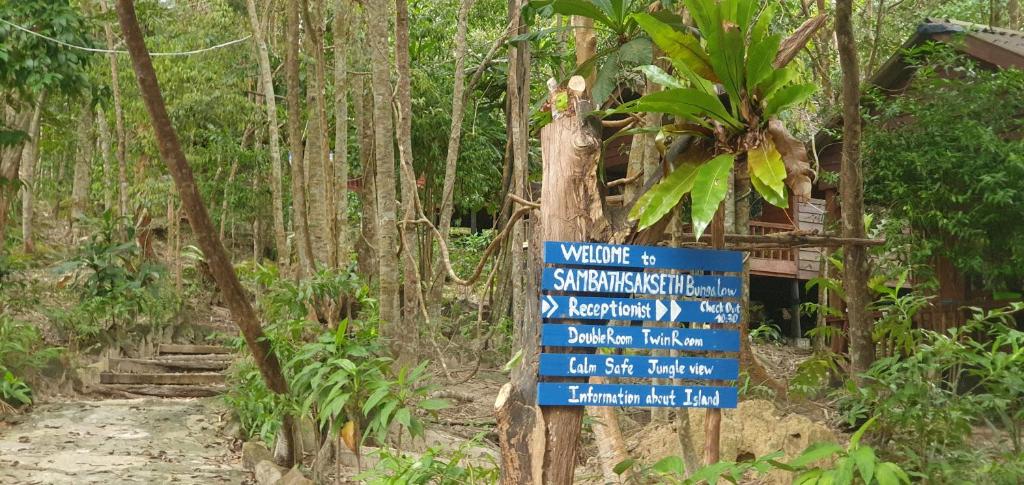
{"x": 202, "y": 227}
{"x": 269, "y": 96}
{"x": 366, "y": 245}
{"x": 342, "y": 36}
{"x": 103, "y": 130}
{"x": 851, "y": 187}
{"x": 570, "y": 149}
{"x": 10, "y": 161}
{"x": 413, "y": 288}
{"x": 454, "y": 139}
{"x": 83, "y": 166}
{"x": 521, "y": 427}
{"x": 119, "y": 129}
{"x": 383, "y": 141}
{"x": 713, "y": 416}
{"x": 29, "y": 161}
{"x": 586, "y": 44}
{"x": 321, "y": 199}
{"x": 611, "y": 448}
{"x": 300, "y": 222}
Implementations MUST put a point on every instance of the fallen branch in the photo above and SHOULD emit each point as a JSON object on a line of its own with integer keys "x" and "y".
{"x": 791, "y": 239}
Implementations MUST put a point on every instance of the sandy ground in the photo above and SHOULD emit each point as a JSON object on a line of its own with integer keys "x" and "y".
{"x": 119, "y": 441}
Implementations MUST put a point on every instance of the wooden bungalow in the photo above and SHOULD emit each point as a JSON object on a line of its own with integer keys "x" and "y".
{"x": 991, "y": 48}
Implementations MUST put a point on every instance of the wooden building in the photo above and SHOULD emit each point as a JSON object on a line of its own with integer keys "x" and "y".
{"x": 991, "y": 48}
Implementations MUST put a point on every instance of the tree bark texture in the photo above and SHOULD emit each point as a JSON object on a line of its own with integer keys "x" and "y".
{"x": 366, "y": 245}
{"x": 713, "y": 418}
{"x": 29, "y": 162}
{"x": 300, "y": 222}
{"x": 521, "y": 429}
{"x": 611, "y": 448}
{"x": 103, "y": 137}
{"x": 273, "y": 133}
{"x": 383, "y": 141}
{"x": 206, "y": 236}
{"x": 412, "y": 287}
{"x": 321, "y": 193}
{"x": 82, "y": 178}
{"x": 119, "y": 128}
{"x": 851, "y": 193}
{"x": 454, "y": 134}
{"x": 18, "y": 118}
{"x": 571, "y": 207}
{"x": 342, "y": 36}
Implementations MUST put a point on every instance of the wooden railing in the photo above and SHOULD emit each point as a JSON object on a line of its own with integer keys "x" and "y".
{"x": 775, "y": 261}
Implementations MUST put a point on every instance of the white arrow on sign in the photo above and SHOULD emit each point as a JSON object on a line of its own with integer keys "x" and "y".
{"x": 675, "y": 310}
{"x": 548, "y": 306}
{"x": 659, "y": 309}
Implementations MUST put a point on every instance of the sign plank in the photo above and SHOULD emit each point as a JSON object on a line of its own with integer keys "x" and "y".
{"x": 581, "y": 280}
{"x": 601, "y": 308}
{"x": 634, "y": 395}
{"x": 568, "y": 335}
{"x": 621, "y": 256}
{"x": 638, "y": 366}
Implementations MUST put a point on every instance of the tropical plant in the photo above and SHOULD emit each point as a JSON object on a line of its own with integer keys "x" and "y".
{"x": 737, "y": 52}
{"x": 857, "y": 463}
{"x": 13, "y": 391}
{"x": 628, "y": 48}
{"x": 766, "y": 333}
{"x": 434, "y": 466}
{"x": 928, "y": 403}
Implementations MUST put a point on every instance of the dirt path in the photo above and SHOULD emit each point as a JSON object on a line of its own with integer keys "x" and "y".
{"x": 119, "y": 441}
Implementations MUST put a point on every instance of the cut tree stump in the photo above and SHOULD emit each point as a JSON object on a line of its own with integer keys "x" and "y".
{"x": 192, "y": 349}
{"x": 193, "y": 378}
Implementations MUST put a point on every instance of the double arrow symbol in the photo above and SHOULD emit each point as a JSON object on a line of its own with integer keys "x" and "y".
{"x": 548, "y": 306}
{"x": 660, "y": 309}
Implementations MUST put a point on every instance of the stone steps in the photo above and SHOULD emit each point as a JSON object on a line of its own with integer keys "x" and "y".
{"x": 178, "y": 370}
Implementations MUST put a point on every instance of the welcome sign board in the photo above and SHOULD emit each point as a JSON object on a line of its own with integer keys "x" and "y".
{"x": 596, "y": 283}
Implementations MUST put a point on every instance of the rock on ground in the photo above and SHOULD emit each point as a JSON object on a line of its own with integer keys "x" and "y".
{"x": 267, "y": 473}
{"x": 119, "y": 441}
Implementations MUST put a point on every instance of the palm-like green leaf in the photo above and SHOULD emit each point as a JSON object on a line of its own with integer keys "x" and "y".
{"x": 583, "y": 8}
{"x": 710, "y": 186}
{"x": 681, "y": 47}
{"x": 659, "y": 76}
{"x": 766, "y": 166}
{"x": 687, "y": 103}
{"x": 769, "y": 194}
{"x": 661, "y": 198}
{"x": 787, "y": 97}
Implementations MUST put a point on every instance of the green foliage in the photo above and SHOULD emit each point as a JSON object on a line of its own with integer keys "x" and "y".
{"x": 857, "y": 464}
{"x": 115, "y": 284}
{"x": 736, "y": 51}
{"x": 22, "y": 351}
{"x": 813, "y": 375}
{"x": 29, "y": 64}
{"x": 259, "y": 410}
{"x": 434, "y": 467}
{"x": 957, "y": 185}
{"x": 928, "y": 403}
{"x": 766, "y": 333}
{"x": 821, "y": 463}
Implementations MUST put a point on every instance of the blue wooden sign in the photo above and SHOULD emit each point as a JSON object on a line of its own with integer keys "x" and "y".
{"x": 583, "y": 280}
{"x": 601, "y": 308}
{"x": 716, "y": 340}
{"x": 574, "y": 269}
{"x": 634, "y": 395}
{"x": 619, "y": 256}
{"x": 639, "y": 366}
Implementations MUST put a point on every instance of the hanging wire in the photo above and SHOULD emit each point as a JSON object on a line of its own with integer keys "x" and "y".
{"x": 109, "y": 51}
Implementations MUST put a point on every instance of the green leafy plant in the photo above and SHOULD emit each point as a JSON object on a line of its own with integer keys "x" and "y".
{"x": 13, "y": 391}
{"x": 259, "y": 410}
{"x": 672, "y": 470}
{"x": 434, "y": 467}
{"x": 856, "y": 464}
{"x": 927, "y": 403}
{"x": 766, "y": 333}
{"x": 813, "y": 375}
{"x": 736, "y": 51}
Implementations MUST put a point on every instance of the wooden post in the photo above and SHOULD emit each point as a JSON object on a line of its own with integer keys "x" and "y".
{"x": 541, "y": 447}
{"x": 713, "y": 418}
